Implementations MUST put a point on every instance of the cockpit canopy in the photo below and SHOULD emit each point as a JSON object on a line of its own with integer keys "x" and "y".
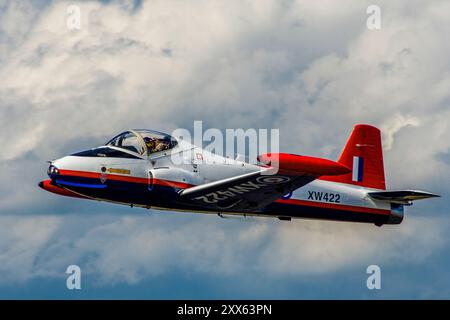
{"x": 132, "y": 144}
{"x": 144, "y": 142}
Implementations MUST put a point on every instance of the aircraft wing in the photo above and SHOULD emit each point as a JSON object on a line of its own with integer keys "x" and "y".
{"x": 253, "y": 191}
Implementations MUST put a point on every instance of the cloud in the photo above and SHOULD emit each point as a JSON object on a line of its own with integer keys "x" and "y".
{"x": 130, "y": 249}
{"x": 392, "y": 126}
{"x": 319, "y": 248}
{"x": 311, "y": 69}
{"x": 22, "y": 241}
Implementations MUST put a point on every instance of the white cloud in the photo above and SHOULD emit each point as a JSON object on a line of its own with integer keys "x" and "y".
{"x": 129, "y": 249}
{"x": 392, "y": 126}
{"x": 309, "y": 68}
{"x": 318, "y": 248}
{"x": 22, "y": 240}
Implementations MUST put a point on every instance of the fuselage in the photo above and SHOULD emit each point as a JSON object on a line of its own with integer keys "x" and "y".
{"x": 155, "y": 180}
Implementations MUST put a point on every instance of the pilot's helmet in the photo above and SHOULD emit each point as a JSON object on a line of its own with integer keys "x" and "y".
{"x": 150, "y": 142}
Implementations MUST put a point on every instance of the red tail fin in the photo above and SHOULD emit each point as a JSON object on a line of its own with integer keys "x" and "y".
{"x": 364, "y": 154}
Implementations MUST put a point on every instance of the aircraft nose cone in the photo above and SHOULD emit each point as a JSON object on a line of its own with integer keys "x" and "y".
{"x": 52, "y": 171}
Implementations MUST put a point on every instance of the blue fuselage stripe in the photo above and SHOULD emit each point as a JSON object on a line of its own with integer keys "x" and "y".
{"x": 81, "y": 185}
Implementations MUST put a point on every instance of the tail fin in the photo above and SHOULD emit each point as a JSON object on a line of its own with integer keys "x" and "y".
{"x": 364, "y": 154}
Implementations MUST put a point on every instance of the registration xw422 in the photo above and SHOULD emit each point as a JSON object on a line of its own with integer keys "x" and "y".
{"x": 324, "y": 196}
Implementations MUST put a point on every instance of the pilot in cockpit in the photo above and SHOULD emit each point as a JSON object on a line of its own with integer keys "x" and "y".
{"x": 155, "y": 144}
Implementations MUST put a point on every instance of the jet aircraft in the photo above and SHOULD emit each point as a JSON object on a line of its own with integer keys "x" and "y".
{"x": 136, "y": 168}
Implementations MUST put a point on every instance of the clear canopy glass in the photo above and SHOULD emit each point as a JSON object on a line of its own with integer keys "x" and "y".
{"x": 143, "y": 142}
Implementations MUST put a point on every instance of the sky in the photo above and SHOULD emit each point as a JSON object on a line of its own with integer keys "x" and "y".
{"x": 311, "y": 69}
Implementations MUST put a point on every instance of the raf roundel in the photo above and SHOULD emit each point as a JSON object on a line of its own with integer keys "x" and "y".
{"x": 273, "y": 180}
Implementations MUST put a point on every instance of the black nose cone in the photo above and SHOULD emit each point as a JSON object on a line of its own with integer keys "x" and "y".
{"x": 41, "y": 184}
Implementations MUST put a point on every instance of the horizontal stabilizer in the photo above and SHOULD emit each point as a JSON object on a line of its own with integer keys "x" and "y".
{"x": 403, "y": 196}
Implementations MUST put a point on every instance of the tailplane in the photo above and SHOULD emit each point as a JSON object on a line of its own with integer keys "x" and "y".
{"x": 405, "y": 197}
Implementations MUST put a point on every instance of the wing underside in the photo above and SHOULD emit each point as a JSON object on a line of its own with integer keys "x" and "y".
{"x": 247, "y": 193}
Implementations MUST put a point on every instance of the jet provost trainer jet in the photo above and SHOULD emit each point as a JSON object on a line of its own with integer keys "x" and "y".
{"x": 136, "y": 168}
